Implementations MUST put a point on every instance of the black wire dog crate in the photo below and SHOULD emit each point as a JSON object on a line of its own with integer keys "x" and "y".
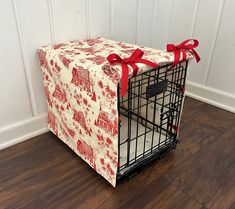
{"x": 150, "y": 116}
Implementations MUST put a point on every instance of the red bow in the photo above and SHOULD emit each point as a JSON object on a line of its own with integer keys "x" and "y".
{"x": 136, "y": 57}
{"x": 182, "y": 48}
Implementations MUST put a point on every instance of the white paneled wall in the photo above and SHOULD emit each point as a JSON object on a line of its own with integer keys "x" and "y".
{"x": 70, "y": 19}
{"x": 15, "y": 103}
{"x": 161, "y": 31}
{"x": 33, "y": 33}
{"x": 26, "y": 25}
{"x": 124, "y": 20}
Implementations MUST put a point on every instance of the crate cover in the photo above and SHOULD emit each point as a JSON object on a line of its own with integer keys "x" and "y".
{"x": 81, "y": 92}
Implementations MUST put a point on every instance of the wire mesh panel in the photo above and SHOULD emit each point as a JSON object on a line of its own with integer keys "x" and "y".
{"x": 149, "y": 116}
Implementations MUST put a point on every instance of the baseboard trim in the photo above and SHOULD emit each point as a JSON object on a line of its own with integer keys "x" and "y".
{"x": 22, "y": 130}
{"x": 211, "y": 96}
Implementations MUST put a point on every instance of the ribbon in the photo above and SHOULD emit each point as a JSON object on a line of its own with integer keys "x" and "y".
{"x": 136, "y": 57}
{"x": 181, "y": 49}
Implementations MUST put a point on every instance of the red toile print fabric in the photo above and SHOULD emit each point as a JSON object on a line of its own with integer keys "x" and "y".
{"x": 81, "y": 93}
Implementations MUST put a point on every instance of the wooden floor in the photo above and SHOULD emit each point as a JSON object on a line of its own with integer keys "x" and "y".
{"x": 199, "y": 174}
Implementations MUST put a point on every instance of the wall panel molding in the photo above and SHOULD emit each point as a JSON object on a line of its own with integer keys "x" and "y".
{"x": 52, "y": 23}
{"x": 170, "y": 21}
{"x": 137, "y": 21}
{"x": 155, "y": 6}
{"x": 145, "y": 19}
{"x": 161, "y": 24}
{"x": 221, "y": 72}
{"x": 110, "y": 18}
{"x": 88, "y": 18}
{"x": 215, "y": 38}
{"x": 70, "y": 19}
{"x": 124, "y": 20}
{"x": 99, "y": 18}
{"x": 15, "y": 102}
{"x": 195, "y": 14}
{"x": 25, "y": 61}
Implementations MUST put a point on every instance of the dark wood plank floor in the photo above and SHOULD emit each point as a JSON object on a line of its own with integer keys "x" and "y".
{"x": 199, "y": 174}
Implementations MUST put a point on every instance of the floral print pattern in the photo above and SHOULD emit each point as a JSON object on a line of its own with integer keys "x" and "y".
{"x": 81, "y": 94}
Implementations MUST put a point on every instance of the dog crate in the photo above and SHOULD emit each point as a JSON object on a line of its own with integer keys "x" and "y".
{"x": 116, "y": 135}
{"x": 149, "y": 117}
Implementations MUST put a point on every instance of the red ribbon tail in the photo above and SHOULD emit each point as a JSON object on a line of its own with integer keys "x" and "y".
{"x": 184, "y": 55}
{"x": 135, "y": 69}
{"x": 176, "y": 59}
{"x": 125, "y": 70}
{"x": 197, "y": 57}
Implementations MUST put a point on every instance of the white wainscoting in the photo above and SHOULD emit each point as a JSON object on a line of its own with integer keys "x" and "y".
{"x": 27, "y": 25}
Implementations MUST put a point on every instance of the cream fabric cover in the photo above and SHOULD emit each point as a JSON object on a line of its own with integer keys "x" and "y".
{"x": 81, "y": 92}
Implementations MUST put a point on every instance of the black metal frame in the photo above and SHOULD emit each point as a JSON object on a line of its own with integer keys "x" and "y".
{"x": 153, "y": 102}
